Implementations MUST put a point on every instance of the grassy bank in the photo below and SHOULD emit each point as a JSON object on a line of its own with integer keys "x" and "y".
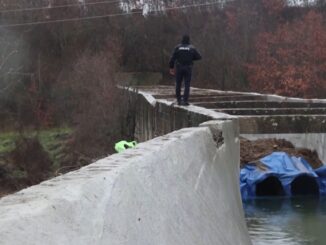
{"x": 52, "y": 140}
{"x": 31, "y": 157}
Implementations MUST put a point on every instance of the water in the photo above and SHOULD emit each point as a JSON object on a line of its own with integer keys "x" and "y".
{"x": 296, "y": 221}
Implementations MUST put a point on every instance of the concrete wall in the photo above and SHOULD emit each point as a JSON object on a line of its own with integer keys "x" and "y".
{"x": 159, "y": 117}
{"x": 181, "y": 188}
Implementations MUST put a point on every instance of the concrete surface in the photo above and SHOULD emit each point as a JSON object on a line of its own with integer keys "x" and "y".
{"x": 257, "y": 113}
{"x": 178, "y": 189}
{"x": 302, "y": 121}
{"x": 282, "y": 124}
{"x": 273, "y": 111}
{"x": 156, "y": 117}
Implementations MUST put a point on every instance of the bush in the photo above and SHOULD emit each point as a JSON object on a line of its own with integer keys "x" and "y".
{"x": 30, "y": 160}
{"x": 99, "y": 111}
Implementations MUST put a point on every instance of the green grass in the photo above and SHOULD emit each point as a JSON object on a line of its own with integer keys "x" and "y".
{"x": 7, "y": 142}
{"x": 51, "y": 139}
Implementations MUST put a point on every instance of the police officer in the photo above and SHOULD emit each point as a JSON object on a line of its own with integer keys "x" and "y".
{"x": 182, "y": 59}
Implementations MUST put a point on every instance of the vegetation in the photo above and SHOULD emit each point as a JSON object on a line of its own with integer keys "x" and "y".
{"x": 51, "y": 71}
{"x": 59, "y": 73}
{"x": 51, "y": 140}
{"x": 31, "y": 157}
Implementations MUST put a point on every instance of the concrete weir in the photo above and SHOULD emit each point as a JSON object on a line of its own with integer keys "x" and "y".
{"x": 180, "y": 188}
{"x": 300, "y": 121}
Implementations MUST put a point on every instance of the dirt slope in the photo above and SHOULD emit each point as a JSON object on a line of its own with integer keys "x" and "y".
{"x": 252, "y": 151}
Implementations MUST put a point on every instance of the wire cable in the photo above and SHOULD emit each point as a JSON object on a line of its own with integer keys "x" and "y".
{"x": 13, "y": 10}
{"x": 104, "y": 16}
{"x": 58, "y": 6}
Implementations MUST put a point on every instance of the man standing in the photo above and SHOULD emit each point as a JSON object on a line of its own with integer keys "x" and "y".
{"x": 182, "y": 60}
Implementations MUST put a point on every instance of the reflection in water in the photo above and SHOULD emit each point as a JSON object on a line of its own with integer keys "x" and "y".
{"x": 285, "y": 221}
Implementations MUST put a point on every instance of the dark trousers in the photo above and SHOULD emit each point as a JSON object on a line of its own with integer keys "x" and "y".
{"x": 183, "y": 73}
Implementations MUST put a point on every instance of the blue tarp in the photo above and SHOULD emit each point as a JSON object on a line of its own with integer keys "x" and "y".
{"x": 285, "y": 168}
{"x": 321, "y": 172}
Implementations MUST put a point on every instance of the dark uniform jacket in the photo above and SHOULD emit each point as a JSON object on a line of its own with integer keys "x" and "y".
{"x": 184, "y": 54}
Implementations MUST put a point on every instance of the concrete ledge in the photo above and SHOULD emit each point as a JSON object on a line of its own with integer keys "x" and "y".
{"x": 257, "y": 113}
{"x": 159, "y": 117}
{"x": 274, "y": 111}
{"x": 177, "y": 189}
{"x": 259, "y": 104}
{"x": 282, "y": 124}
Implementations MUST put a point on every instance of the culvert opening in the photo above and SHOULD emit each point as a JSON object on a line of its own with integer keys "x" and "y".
{"x": 271, "y": 186}
{"x": 304, "y": 185}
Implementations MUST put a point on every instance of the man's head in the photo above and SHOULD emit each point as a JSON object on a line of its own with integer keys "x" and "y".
{"x": 185, "y": 39}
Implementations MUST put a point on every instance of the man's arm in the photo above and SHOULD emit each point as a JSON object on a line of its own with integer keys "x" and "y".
{"x": 197, "y": 55}
{"x": 173, "y": 58}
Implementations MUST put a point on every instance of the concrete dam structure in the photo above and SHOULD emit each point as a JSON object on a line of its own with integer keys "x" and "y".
{"x": 180, "y": 186}
{"x": 300, "y": 121}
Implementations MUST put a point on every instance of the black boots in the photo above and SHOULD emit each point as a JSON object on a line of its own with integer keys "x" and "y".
{"x": 184, "y": 103}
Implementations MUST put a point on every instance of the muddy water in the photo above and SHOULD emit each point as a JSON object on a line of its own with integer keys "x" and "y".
{"x": 296, "y": 221}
